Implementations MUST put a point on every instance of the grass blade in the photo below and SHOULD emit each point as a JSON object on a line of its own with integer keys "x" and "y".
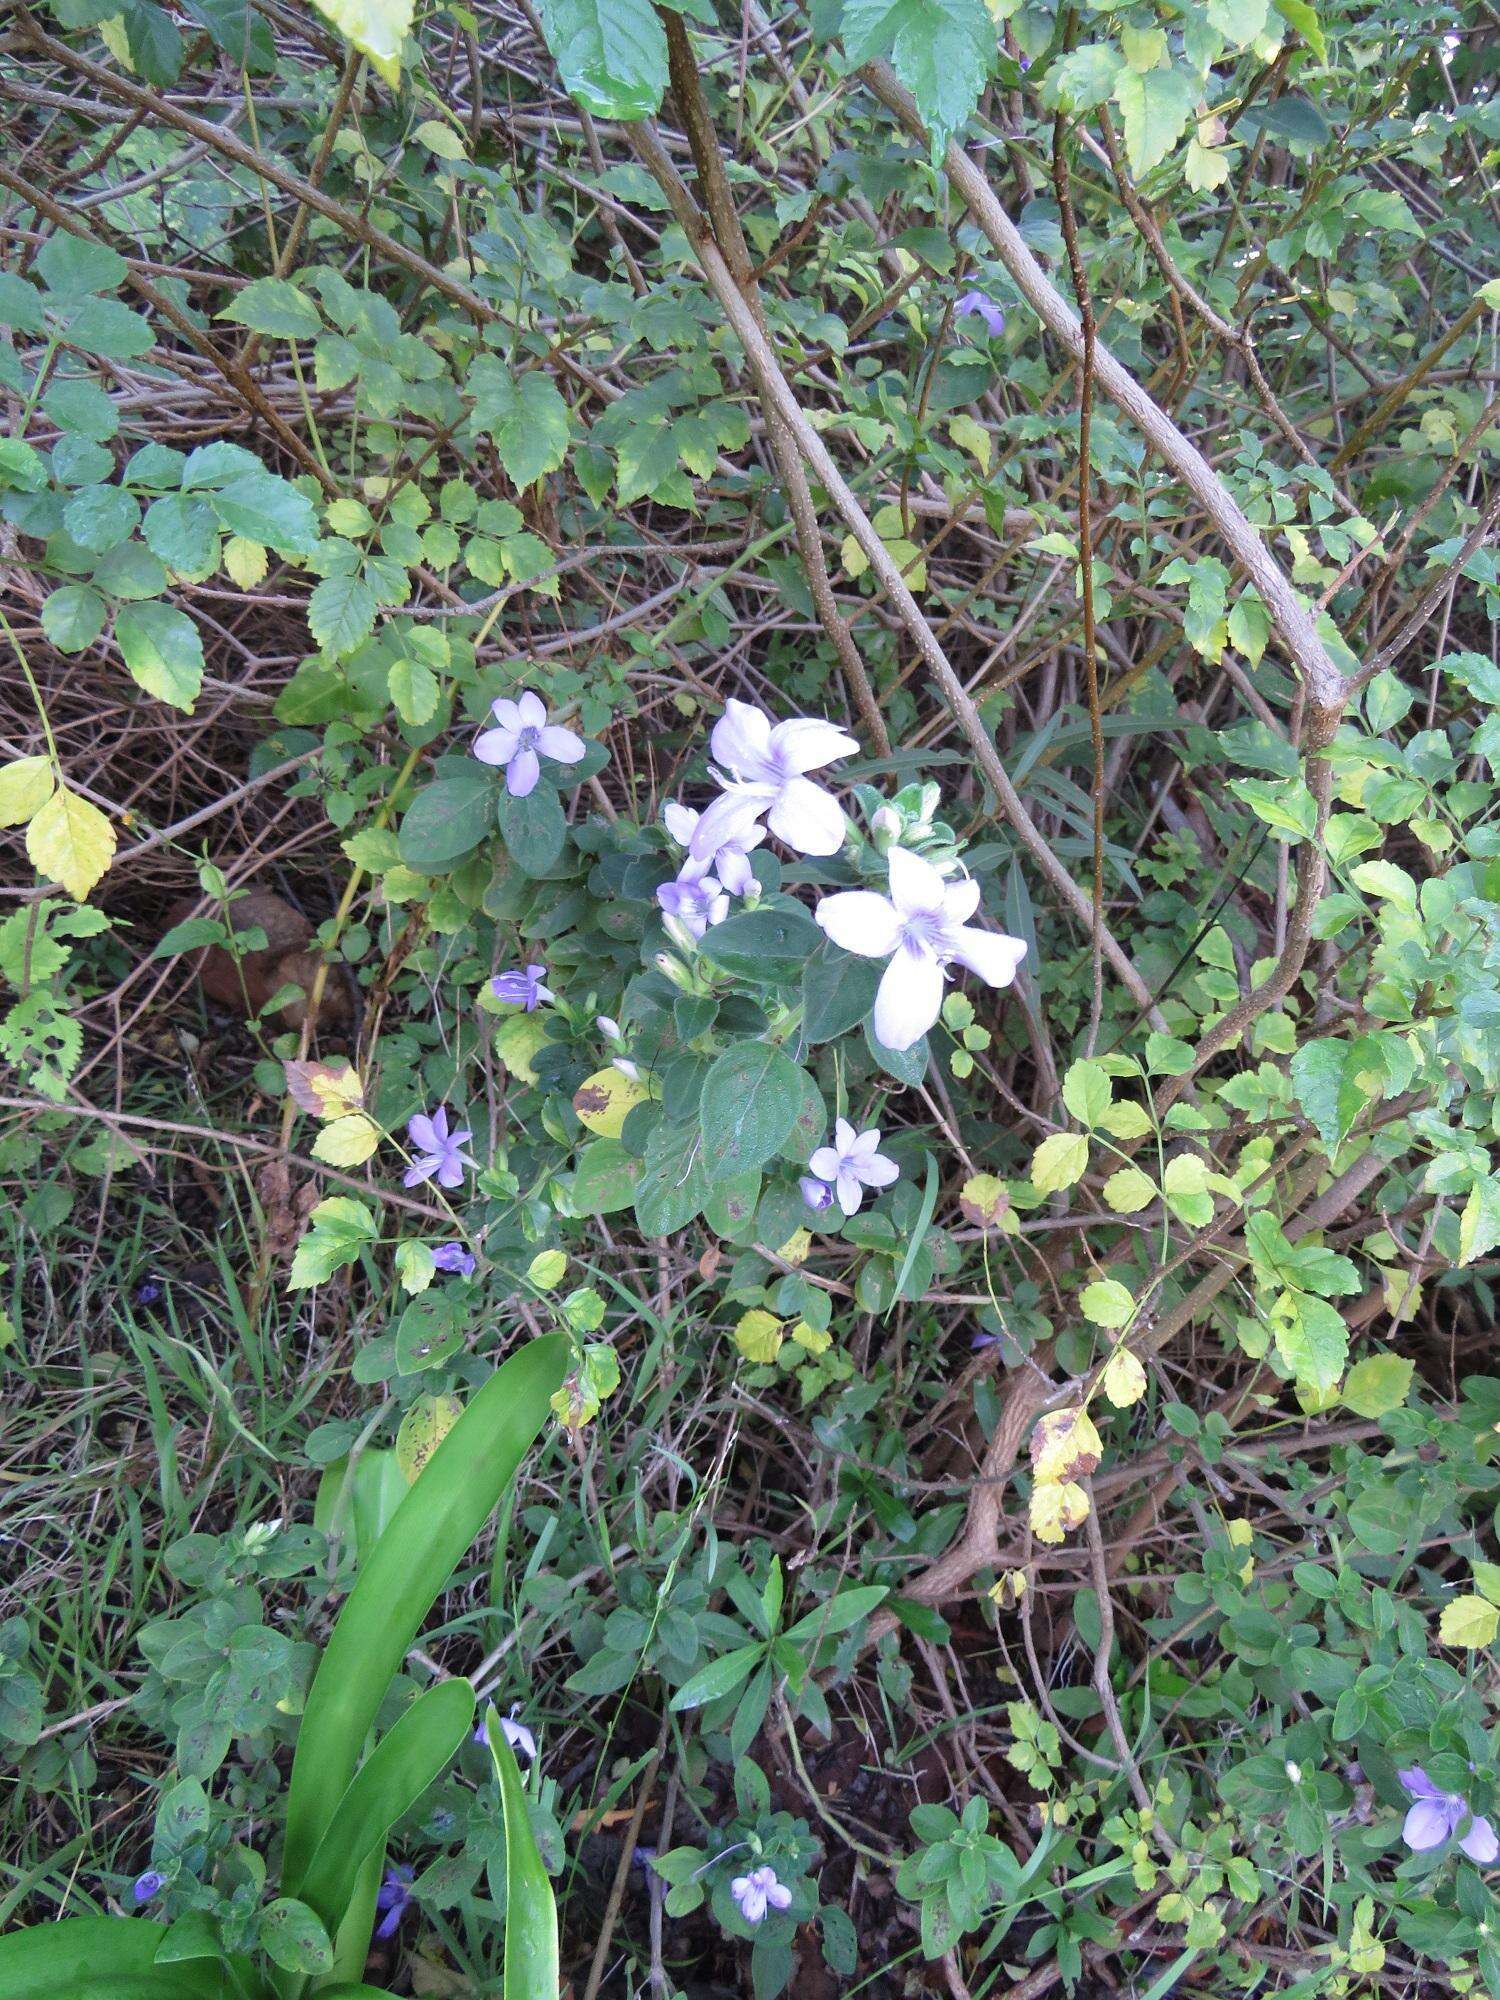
{"x": 531, "y": 1957}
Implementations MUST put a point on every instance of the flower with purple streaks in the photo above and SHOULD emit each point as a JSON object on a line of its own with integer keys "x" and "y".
{"x": 439, "y": 1152}
{"x": 521, "y": 736}
{"x": 523, "y": 987}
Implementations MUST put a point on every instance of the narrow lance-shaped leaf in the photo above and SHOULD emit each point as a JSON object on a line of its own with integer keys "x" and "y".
{"x": 531, "y": 1956}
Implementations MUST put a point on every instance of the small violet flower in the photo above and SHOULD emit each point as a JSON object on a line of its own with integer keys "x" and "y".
{"x": 439, "y": 1152}
{"x": 764, "y": 776}
{"x": 392, "y": 1898}
{"x": 694, "y": 901}
{"x": 984, "y": 307}
{"x": 516, "y": 1734}
{"x": 817, "y": 1194}
{"x": 148, "y": 1292}
{"x": 923, "y": 928}
{"x": 523, "y": 988}
{"x": 1436, "y": 1816}
{"x": 148, "y": 1885}
{"x": 758, "y": 1892}
{"x": 730, "y": 861}
{"x": 454, "y": 1257}
{"x": 852, "y": 1163}
{"x": 523, "y": 734}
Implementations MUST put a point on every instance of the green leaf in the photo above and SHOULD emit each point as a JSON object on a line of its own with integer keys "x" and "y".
{"x": 260, "y": 507}
{"x": 71, "y": 266}
{"x": 1087, "y": 1091}
{"x": 838, "y": 990}
{"x": 531, "y": 1949}
{"x": 942, "y": 50}
{"x": 768, "y": 946}
{"x": 839, "y": 1613}
{"x": 605, "y": 1179}
{"x": 751, "y": 1097}
{"x": 1377, "y": 1385}
{"x": 533, "y": 829}
{"x": 182, "y": 530}
{"x": 276, "y": 306}
{"x": 524, "y": 414}
{"x": 1312, "y": 1340}
{"x": 413, "y": 1753}
{"x": 340, "y": 613}
{"x": 718, "y": 1678}
{"x": 1156, "y": 108}
{"x": 410, "y": 1564}
{"x": 73, "y": 617}
{"x": 100, "y": 1958}
{"x": 1107, "y": 1302}
{"x": 291, "y": 1936}
{"x": 449, "y": 818}
{"x": 1059, "y": 1161}
{"x": 611, "y": 54}
{"x": 162, "y": 649}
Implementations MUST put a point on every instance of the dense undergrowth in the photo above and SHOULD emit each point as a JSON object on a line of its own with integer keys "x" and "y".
{"x": 619, "y": 722}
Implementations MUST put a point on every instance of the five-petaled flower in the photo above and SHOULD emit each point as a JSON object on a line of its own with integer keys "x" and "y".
{"x": 438, "y": 1151}
{"x": 454, "y": 1257}
{"x": 392, "y": 1898}
{"x": 730, "y": 861}
{"x": 516, "y": 1734}
{"x": 694, "y": 901}
{"x": 764, "y": 775}
{"x": 524, "y": 987}
{"x": 983, "y": 307}
{"x": 759, "y": 1891}
{"x": 851, "y": 1164}
{"x": 1436, "y": 1816}
{"x": 521, "y": 735}
{"x": 923, "y": 928}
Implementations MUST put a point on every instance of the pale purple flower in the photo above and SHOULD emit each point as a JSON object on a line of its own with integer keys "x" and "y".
{"x": 923, "y": 928}
{"x": 852, "y": 1163}
{"x": 392, "y": 1898}
{"x": 764, "y": 776}
{"x": 758, "y": 1892}
{"x": 817, "y": 1194}
{"x": 1435, "y": 1817}
{"x": 148, "y": 1885}
{"x": 981, "y": 304}
{"x": 439, "y": 1152}
{"x": 694, "y": 901}
{"x": 516, "y": 1734}
{"x": 523, "y": 987}
{"x": 730, "y": 861}
{"x": 454, "y": 1257}
{"x": 523, "y": 734}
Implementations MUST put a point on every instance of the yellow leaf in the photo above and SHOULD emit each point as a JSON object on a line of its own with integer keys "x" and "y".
{"x": 546, "y": 1269}
{"x": 377, "y": 28}
{"x": 796, "y": 1247}
{"x": 517, "y": 1041}
{"x": 1128, "y": 1191}
{"x": 1065, "y": 1445}
{"x": 1059, "y": 1161}
{"x": 758, "y": 1336}
{"x": 971, "y": 436}
{"x": 25, "y": 787}
{"x": 440, "y": 139}
{"x": 347, "y": 1142}
{"x": 1008, "y": 1588}
{"x": 606, "y": 1099}
{"x": 1468, "y": 1621}
{"x": 327, "y": 1090}
{"x": 1124, "y": 1379}
{"x": 423, "y": 1429}
{"x": 71, "y": 841}
{"x": 811, "y": 1337}
{"x": 984, "y": 1199}
{"x": 1057, "y": 1507}
{"x": 244, "y": 561}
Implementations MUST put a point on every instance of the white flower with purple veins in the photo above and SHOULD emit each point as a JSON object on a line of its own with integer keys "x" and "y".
{"x": 851, "y": 1164}
{"x": 526, "y": 987}
{"x": 439, "y": 1152}
{"x": 1436, "y": 1816}
{"x": 759, "y": 1891}
{"x": 922, "y": 927}
{"x": 521, "y": 735}
{"x": 730, "y": 862}
{"x": 694, "y": 902}
{"x": 763, "y": 769}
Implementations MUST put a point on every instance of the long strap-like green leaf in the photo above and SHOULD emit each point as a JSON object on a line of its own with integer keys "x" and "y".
{"x": 101, "y": 1958}
{"x": 451, "y": 1500}
{"x": 531, "y": 1956}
